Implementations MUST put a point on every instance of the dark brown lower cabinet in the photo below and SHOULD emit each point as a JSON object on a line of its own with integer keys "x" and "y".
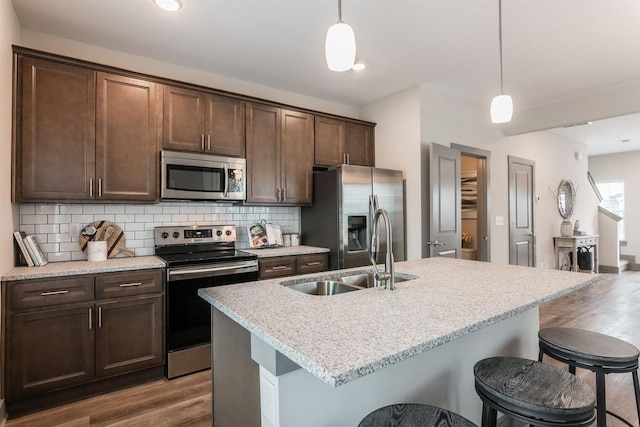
{"x": 68, "y": 333}
{"x": 282, "y": 266}
{"x": 129, "y": 335}
{"x": 49, "y": 349}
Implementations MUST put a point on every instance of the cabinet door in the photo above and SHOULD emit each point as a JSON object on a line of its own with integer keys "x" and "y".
{"x": 296, "y": 155}
{"x": 359, "y": 144}
{"x": 183, "y": 119}
{"x": 224, "y": 126}
{"x": 56, "y": 132}
{"x": 329, "y": 138}
{"x": 129, "y": 335}
{"x": 49, "y": 349}
{"x": 263, "y": 153}
{"x": 127, "y": 152}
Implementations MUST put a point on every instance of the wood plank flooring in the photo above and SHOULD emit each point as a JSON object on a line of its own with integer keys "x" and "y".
{"x": 611, "y": 307}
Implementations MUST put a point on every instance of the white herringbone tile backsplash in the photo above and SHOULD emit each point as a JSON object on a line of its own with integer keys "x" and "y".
{"x": 51, "y": 223}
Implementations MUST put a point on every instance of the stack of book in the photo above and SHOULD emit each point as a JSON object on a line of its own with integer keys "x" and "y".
{"x": 579, "y": 233}
{"x": 30, "y": 251}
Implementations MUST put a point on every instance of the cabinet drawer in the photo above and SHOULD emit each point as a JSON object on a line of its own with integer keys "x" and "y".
{"x": 40, "y": 293}
{"x": 311, "y": 263}
{"x": 590, "y": 241}
{"x": 128, "y": 283}
{"x": 277, "y": 267}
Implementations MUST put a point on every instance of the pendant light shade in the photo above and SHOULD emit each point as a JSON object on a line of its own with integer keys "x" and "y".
{"x": 501, "y": 109}
{"x": 501, "y": 105}
{"x": 340, "y": 45}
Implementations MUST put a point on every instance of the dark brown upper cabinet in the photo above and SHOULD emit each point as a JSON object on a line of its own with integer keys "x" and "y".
{"x": 202, "y": 122}
{"x": 279, "y": 155}
{"x": 343, "y": 142}
{"x": 83, "y": 135}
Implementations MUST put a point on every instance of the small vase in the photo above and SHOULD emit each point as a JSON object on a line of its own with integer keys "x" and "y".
{"x": 566, "y": 228}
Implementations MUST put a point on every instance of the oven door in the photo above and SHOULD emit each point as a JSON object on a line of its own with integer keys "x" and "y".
{"x": 188, "y": 315}
{"x": 188, "y": 322}
{"x": 189, "y": 176}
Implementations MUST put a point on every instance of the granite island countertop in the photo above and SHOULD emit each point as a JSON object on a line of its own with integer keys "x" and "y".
{"x": 73, "y": 268}
{"x": 343, "y": 337}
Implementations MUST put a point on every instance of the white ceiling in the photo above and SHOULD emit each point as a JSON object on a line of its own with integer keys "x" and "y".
{"x": 554, "y": 50}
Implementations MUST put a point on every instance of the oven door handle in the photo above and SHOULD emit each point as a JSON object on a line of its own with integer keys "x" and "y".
{"x": 211, "y": 271}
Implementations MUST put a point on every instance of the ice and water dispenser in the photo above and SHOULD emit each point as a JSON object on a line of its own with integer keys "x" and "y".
{"x": 357, "y": 232}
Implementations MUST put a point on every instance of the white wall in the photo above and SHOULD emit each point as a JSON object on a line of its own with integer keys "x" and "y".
{"x": 623, "y": 166}
{"x": 444, "y": 120}
{"x": 87, "y": 52}
{"x": 555, "y": 160}
{"x": 398, "y": 147}
{"x": 9, "y": 34}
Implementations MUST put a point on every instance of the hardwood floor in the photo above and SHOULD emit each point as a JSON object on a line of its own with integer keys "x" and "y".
{"x": 184, "y": 401}
{"x": 610, "y": 307}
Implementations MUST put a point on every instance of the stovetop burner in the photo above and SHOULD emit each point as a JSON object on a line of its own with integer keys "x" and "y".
{"x": 198, "y": 244}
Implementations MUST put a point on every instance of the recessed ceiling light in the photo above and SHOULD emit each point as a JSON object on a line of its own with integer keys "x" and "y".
{"x": 358, "y": 67}
{"x": 624, "y": 141}
{"x": 170, "y": 5}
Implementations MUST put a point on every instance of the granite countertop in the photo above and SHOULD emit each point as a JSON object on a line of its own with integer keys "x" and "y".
{"x": 343, "y": 337}
{"x": 286, "y": 251}
{"x": 72, "y": 268}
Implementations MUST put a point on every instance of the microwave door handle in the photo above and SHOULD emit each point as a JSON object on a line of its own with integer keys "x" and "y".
{"x": 226, "y": 182}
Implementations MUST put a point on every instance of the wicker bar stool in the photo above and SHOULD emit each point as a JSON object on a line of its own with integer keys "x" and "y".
{"x": 414, "y": 415}
{"x": 599, "y": 353}
{"x": 532, "y": 392}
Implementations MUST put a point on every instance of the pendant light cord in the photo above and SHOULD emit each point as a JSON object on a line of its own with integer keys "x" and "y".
{"x": 500, "y": 39}
{"x": 339, "y": 10}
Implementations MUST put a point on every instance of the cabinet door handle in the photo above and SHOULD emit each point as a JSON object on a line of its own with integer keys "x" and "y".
{"x": 348, "y": 159}
{"x": 90, "y": 319}
{"x": 91, "y": 187}
{"x": 128, "y": 285}
{"x": 99, "y": 187}
{"x": 280, "y": 267}
{"x": 284, "y": 194}
{"x": 277, "y": 194}
{"x": 44, "y": 294}
{"x": 202, "y": 142}
{"x": 208, "y": 142}
{"x": 311, "y": 264}
{"x": 99, "y": 317}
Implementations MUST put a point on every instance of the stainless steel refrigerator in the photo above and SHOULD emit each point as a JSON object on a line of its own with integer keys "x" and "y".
{"x": 344, "y": 201}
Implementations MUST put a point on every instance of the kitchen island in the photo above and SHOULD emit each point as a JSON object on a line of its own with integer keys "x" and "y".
{"x": 329, "y": 360}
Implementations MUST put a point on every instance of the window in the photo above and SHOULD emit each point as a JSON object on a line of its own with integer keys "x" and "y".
{"x": 613, "y": 199}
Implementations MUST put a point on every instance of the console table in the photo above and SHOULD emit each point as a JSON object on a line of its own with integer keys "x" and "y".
{"x": 572, "y": 244}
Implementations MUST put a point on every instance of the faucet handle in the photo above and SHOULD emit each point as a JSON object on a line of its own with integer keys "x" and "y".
{"x": 381, "y": 278}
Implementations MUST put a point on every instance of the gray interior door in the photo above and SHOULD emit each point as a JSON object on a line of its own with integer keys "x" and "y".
{"x": 521, "y": 215}
{"x": 444, "y": 200}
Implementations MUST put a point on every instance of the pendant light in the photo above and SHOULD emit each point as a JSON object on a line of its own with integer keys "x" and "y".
{"x": 170, "y": 5}
{"x": 340, "y": 45}
{"x": 501, "y": 105}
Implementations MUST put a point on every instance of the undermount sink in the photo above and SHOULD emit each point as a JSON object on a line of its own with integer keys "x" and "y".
{"x": 324, "y": 287}
{"x": 336, "y": 284}
{"x": 367, "y": 280}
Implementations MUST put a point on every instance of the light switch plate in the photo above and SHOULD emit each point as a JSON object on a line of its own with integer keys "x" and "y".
{"x": 499, "y": 220}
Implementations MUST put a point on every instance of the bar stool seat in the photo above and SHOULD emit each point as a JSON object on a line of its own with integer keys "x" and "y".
{"x": 532, "y": 392}
{"x": 599, "y": 353}
{"x": 413, "y": 415}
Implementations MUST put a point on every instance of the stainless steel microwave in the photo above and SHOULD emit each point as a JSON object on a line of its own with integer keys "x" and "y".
{"x": 194, "y": 176}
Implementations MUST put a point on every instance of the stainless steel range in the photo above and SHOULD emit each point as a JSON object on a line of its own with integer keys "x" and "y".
{"x": 197, "y": 256}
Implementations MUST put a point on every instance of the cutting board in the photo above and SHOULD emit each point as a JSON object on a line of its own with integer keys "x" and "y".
{"x": 110, "y": 232}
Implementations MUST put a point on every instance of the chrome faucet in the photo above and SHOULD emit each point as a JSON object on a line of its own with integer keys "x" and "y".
{"x": 387, "y": 275}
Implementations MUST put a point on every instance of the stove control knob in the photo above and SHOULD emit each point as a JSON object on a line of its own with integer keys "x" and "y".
{"x": 219, "y": 233}
{"x": 228, "y": 232}
{"x": 176, "y": 234}
{"x": 164, "y": 235}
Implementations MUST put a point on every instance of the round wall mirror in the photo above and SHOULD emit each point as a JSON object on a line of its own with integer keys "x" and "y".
{"x": 566, "y": 198}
